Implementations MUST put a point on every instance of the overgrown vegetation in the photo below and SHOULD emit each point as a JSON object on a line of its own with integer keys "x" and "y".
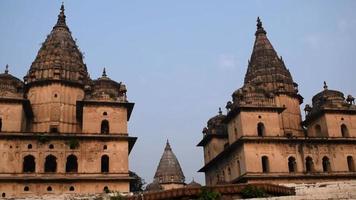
{"x": 253, "y": 192}
{"x": 137, "y": 183}
{"x": 116, "y": 196}
{"x": 73, "y": 143}
{"x": 42, "y": 139}
{"x": 208, "y": 194}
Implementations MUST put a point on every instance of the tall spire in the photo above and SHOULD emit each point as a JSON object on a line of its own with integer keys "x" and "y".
{"x": 59, "y": 51}
{"x": 169, "y": 170}
{"x": 61, "y": 22}
{"x": 266, "y": 69}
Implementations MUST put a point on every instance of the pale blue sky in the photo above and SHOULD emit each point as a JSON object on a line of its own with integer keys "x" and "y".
{"x": 181, "y": 60}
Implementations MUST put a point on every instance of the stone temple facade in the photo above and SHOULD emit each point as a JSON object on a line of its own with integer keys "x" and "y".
{"x": 60, "y": 131}
{"x": 263, "y": 138}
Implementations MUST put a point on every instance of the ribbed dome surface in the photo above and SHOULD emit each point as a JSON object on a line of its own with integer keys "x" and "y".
{"x": 265, "y": 69}
{"x": 59, "y": 57}
{"x": 169, "y": 170}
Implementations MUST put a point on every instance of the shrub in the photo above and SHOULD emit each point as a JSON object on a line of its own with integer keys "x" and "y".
{"x": 73, "y": 143}
{"x": 253, "y": 192}
{"x": 206, "y": 194}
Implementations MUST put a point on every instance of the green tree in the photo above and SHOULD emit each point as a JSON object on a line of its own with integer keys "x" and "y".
{"x": 137, "y": 183}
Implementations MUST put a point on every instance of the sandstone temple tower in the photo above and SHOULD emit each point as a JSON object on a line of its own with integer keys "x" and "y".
{"x": 60, "y": 131}
{"x": 263, "y": 138}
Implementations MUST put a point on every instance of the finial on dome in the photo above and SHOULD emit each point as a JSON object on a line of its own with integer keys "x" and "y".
{"x": 168, "y": 146}
{"x": 325, "y": 86}
{"x": 104, "y": 73}
{"x": 259, "y": 23}
{"x": 6, "y": 69}
{"x": 61, "y": 17}
{"x": 260, "y": 28}
{"x": 220, "y": 112}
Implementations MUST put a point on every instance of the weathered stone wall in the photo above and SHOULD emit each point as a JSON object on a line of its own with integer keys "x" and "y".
{"x": 250, "y": 155}
{"x": 321, "y": 190}
{"x": 41, "y": 190}
{"x": 55, "y": 105}
{"x": 213, "y": 148}
{"x": 93, "y": 116}
{"x": 331, "y": 125}
{"x": 12, "y": 117}
{"x": 291, "y": 117}
{"x": 89, "y": 154}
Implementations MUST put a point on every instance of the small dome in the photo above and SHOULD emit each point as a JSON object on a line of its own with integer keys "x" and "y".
{"x": 154, "y": 186}
{"x": 216, "y": 124}
{"x": 193, "y": 184}
{"x": 10, "y": 86}
{"x": 108, "y": 90}
{"x": 216, "y": 120}
{"x": 328, "y": 97}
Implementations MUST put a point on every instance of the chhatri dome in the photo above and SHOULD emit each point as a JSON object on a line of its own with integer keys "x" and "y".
{"x": 169, "y": 174}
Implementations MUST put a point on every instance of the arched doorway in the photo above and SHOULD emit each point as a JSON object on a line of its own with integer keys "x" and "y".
{"x": 350, "y": 163}
{"x": 309, "y": 164}
{"x": 326, "y": 164}
{"x": 344, "y": 131}
{"x": 72, "y": 164}
{"x": 51, "y": 164}
{"x": 292, "y": 164}
{"x": 105, "y": 127}
{"x": 260, "y": 129}
{"x": 265, "y": 164}
{"x": 104, "y": 163}
{"x": 29, "y": 165}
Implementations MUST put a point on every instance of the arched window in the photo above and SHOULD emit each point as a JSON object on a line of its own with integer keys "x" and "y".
{"x": 105, "y": 127}
{"x": 104, "y": 163}
{"x": 317, "y": 130}
{"x": 71, "y": 188}
{"x": 51, "y": 146}
{"x": 105, "y": 147}
{"x": 309, "y": 165}
{"x": 265, "y": 164}
{"x": 106, "y": 189}
{"x": 29, "y": 146}
{"x": 292, "y": 164}
{"x": 72, "y": 164}
{"x": 51, "y": 164}
{"x": 29, "y": 164}
{"x": 326, "y": 164}
{"x": 260, "y": 129}
{"x": 351, "y": 163}
{"x": 26, "y": 189}
{"x": 344, "y": 131}
{"x": 49, "y": 188}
